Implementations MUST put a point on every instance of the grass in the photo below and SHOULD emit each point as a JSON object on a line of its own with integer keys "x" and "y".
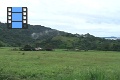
{"x": 59, "y": 65}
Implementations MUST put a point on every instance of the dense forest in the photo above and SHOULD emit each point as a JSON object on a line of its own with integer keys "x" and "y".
{"x": 40, "y": 36}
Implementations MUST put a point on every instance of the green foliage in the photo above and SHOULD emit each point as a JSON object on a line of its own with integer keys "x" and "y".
{"x": 59, "y": 65}
{"x": 2, "y": 44}
{"x": 40, "y": 36}
{"x": 21, "y": 37}
{"x": 28, "y": 48}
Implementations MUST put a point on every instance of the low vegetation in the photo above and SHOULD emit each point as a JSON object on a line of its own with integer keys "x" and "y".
{"x": 59, "y": 65}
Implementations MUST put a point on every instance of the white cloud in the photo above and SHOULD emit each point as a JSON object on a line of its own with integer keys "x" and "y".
{"x": 98, "y": 17}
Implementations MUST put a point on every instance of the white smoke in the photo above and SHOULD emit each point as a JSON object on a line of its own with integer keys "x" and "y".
{"x": 34, "y": 35}
{"x": 47, "y": 32}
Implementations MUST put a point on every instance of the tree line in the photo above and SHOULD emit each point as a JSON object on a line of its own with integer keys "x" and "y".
{"x": 46, "y": 37}
{"x": 81, "y": 42}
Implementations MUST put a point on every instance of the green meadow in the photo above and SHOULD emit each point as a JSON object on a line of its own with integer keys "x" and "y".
{"x": 59, "y": 65}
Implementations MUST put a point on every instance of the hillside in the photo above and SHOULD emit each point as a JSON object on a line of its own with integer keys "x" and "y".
{"x": 18, "y": 37}
{"x": 40, "y": 36}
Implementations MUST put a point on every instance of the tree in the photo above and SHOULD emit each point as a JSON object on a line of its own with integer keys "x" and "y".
{"x": 28, "y": 48}
{"x": 2, "y": 44}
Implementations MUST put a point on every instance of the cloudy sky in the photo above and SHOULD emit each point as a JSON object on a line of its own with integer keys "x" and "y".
{"x": 97, "y": 17}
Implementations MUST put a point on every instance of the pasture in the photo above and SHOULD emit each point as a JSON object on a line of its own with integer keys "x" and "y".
{"x": 59, "y": 65}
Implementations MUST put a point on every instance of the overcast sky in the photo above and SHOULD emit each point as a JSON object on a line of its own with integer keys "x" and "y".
{"x": 97, "y": 17}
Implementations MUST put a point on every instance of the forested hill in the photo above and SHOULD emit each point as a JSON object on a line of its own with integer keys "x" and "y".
{"x": 40, "y": 36}
{"x": 15, "y": 37}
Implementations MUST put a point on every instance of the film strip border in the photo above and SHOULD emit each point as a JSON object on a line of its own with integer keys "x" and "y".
{"x": 9, "y": 17}
{"x": 24, "y": 18}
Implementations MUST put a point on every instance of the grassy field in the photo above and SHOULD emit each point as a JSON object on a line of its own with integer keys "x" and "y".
{"x": 59, "y": 65}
